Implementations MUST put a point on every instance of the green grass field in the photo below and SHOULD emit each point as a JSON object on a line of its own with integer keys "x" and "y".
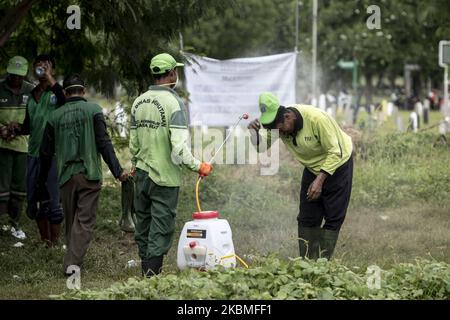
{"x": 399, "y": 212}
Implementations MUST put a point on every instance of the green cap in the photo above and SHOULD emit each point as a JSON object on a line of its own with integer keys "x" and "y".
{"x": 268, "y": 105}
{"x": 17, "y": 65}
{"x": 162, "y": 63}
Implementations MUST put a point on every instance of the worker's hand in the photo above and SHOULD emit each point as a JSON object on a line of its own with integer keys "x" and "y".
{"x": 133, "y": 172}
{"x": 48, "y": 73}
{"x": 255, "y": 125}
{"x": 123, "y": 176}
{"x": 13, "y": 130}
{"x": 315, "y": 188}
{"x": 205, "y": 169}
{"x": 4, "y": 132}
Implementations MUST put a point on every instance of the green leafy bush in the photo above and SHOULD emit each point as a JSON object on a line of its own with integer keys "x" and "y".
{"x": 272, "y": 278}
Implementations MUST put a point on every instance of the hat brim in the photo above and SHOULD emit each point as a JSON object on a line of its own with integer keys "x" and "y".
{"x": 268, "y": 117}
{"x": 17, "y": 72}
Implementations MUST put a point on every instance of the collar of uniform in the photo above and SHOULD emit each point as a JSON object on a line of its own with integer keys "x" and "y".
{"x": 74, "y": 99}
{"x": 49, "y": 88}
{"x": 298, "y": 125}
{"x": 5, "y": 86}
{"x": 163, "y": 88}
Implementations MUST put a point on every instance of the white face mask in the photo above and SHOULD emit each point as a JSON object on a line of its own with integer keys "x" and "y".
{"x": 172, "y": 85}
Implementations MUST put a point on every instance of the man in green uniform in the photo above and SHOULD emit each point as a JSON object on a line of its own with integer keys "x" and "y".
{"x": 14, "y": 94}
{"x": 45, "y": 98}
{"x": 76, "y": 134}
{"x": 315, "y": 139}
{"x": 158, "y": 145}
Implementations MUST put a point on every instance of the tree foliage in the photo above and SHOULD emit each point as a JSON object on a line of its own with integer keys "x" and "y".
{"x": 116, "y": 40}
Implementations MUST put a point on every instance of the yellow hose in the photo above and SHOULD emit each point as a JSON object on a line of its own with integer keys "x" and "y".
{"x": 197, "y": 186}
{"x": 239, "y": 259}
{"x": 196, "y": 194}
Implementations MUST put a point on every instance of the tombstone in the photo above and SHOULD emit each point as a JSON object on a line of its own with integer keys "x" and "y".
{"x": 399, "y": 123}
{"x": 418, "y": 108}
{"x": 348, "y": 116}
{"x": 426, "y": 111}
{"x": 322, "y": 102}
{"x": 332, "y": 111}
{"x": 413, "y": 122}
{"x": 390, "y": 109}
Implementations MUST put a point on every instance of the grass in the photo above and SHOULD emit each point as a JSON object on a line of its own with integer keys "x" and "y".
{"x": 399, "y": 212}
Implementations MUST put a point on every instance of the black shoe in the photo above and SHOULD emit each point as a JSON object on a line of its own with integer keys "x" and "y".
{"x": 152, "y": 266}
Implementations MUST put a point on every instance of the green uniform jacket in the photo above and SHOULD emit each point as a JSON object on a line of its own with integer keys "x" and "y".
{"x": 75, "y": 146}
{"x": 12, "y": 109}
{"x": 159, "y": 136}
{"x": 320, "y": 145}
{"x": 39, "y": 113}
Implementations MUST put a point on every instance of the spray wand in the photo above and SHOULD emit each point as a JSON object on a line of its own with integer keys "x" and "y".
{"x": 243, "y": 116}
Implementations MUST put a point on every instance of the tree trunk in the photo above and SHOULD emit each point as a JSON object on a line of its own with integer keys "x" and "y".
{"x": 13, "y": 18}
{"x": 369, "y": 89}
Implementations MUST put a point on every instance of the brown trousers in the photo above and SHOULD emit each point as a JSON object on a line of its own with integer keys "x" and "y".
{"x": 79, "y": 198}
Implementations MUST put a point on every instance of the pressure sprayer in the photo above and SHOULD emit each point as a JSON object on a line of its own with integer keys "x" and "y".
{"x": 206, "y": 242}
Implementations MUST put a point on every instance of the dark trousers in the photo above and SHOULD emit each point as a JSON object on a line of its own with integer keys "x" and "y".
{"x": 80, "y": 199}
{"x": 13, "y": 166}
{"x": 155, "y": 208}
{"x": 333, "y": 202}
{"x": 53, "y": 212}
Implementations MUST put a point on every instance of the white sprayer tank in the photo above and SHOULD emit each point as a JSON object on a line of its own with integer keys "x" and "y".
{"x": 206, "y": 242}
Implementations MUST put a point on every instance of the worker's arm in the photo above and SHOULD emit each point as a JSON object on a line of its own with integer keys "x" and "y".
{"x": 262, "y": 139}
{"x": 179, "y": 135}
{"x": 327, "y": 134}
{"x": 59, "y": 94}
{"x": 105, "y": 147}
{"x": 134, "y": 140}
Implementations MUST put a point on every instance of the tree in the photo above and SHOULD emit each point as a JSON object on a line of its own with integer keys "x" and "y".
{"x": 115, "y": 42}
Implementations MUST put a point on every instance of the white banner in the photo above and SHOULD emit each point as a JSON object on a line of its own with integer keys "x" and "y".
{"x": 222, "y": 90}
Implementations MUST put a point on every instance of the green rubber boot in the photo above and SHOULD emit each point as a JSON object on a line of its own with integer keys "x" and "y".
{"x": 308, "y": 242}
{"x": 127, "y": 223}
{"x": 328, "y": 242}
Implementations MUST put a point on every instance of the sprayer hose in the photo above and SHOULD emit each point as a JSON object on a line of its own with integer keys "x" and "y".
{"x": 196, "y": 194}
{"x": 197, "y": 186}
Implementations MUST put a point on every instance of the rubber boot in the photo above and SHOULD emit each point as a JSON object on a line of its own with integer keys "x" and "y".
{"x": 152, "y": 266}
{"x": 55, "y": 231}
{"x": 127, "y": 224}
{"x": 309, "y": 241}
{"x": 44, "y": 229}
{"x": 328, "y": 243}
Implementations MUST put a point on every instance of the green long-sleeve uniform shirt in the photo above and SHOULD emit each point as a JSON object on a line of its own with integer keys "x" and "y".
{"x": 320, "y": 145}
{"x": 159, "y": 136}
{"x": 12, "y": 109}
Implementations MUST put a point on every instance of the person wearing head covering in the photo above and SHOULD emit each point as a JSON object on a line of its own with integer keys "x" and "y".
{"x": 159, "y": 148}
{"x": 76, "y": 134}
{"x": 14, "y": 95}
{"x": 315, "y": 139}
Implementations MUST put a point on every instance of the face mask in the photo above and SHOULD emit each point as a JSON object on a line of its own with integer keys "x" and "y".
{"x": 172, "y": 85}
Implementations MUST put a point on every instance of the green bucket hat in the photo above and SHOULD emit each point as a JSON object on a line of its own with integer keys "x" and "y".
{"x": 268, "y": 105}
{"x": 17, "y": 65}
{"x": 162, "y": 63}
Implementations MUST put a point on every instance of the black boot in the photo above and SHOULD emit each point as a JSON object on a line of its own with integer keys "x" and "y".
{"x": 328, "y": 243}
{"x": 308, "y": 241}
{"x": 152, "y": 266}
